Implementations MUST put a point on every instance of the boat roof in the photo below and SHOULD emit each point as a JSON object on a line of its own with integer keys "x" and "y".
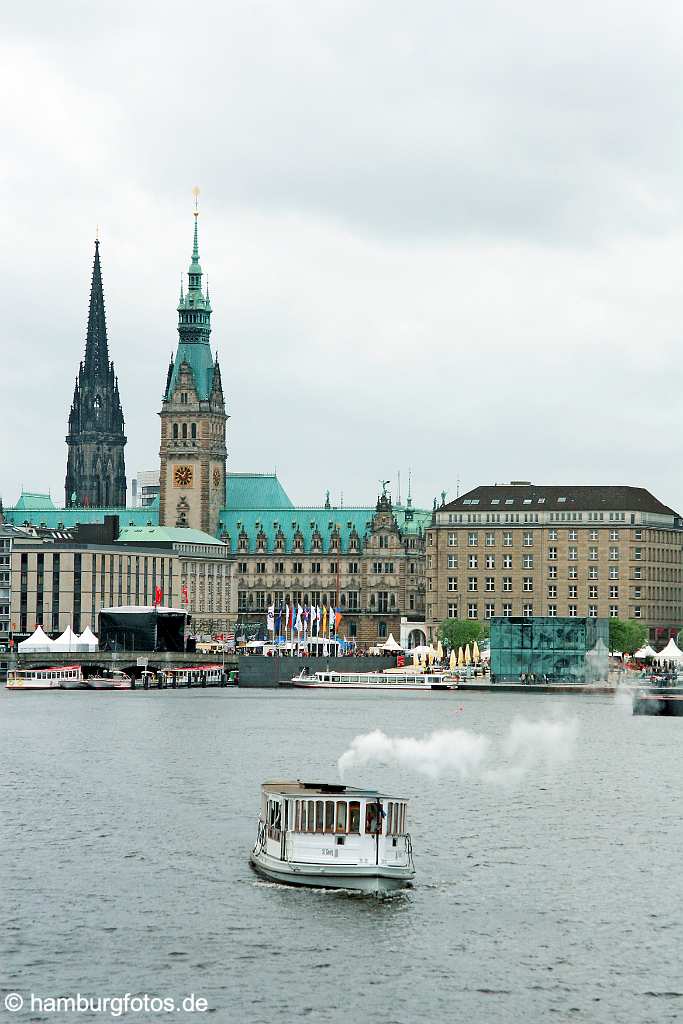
{"x": 288, "y": 787}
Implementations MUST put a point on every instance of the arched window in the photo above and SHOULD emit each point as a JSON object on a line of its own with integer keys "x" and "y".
{"x": 184, "y": 431}
{"x": 175, "y": 431}
{"x": 194, "y": 431}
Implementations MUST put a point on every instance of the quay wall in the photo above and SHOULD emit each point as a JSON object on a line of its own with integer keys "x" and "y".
{"x": 126, "y": 661}
{"x": 258, "y": 671}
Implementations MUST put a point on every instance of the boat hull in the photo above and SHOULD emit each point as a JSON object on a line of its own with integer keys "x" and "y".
{"x": 367, "y": 879}
{"x": 658, "y": 703}
{"x": 74, "y": 684}
{"x": 107, "y": 684}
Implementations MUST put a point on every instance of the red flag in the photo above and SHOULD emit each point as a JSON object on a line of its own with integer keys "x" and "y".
{"x": 186, "y": 599}
{"x": 158, "y": 595}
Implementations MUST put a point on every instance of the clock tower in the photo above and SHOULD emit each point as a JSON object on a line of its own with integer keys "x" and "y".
{"x": 193, "y": 417}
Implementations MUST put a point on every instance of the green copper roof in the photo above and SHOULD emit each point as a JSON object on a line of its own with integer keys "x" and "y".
{"x": 34, "y": 502}
{"x": 68, "y": 517}
{"x": 166, "y": 535}
{"x": 255, "y": 490}
{"x": 198, "y": 357}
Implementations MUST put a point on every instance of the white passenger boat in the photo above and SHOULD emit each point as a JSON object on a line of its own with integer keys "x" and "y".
{"x": 333, "y": 837}
{"x": 115, "y": 680}
{"x": 59, "y": 677}
{"x": 389, "y": 680}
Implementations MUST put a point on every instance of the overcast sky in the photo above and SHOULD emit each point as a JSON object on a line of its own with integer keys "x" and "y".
{"x": 444, "y": 235}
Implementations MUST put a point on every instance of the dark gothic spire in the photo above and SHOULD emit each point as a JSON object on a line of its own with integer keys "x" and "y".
{"x": 96, "y": 348}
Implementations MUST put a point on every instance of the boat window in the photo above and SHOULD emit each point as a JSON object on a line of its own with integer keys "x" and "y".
{"x": 390, "y": 819}
{"x": 373, "y": 821}
{"x": 319, "y": 815}
{"x": 403, "y": 819}
{"x": 341, "y": 816}
{"x": 297, "y": 815}
{"x": 311, "y": 815}
{"x": 354, "y": 817}
{"x": 329, "y": 815}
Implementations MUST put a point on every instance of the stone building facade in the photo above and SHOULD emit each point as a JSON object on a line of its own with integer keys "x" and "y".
{"x": 57, "y": 581}
{"x": 96, "y": 471}
{"x": 192, "y": 451}
{"x": 368, "y": 563}
{"x": 526, "y": 550}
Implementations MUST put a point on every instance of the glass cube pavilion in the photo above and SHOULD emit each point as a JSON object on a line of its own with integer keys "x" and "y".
{"x": 565, "y": 650}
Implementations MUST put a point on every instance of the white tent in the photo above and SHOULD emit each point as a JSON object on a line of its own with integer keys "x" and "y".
{"x": 645, "y": 652}
{"x": 89, "y": 640}
{"x": 38, "y": 641}
{"x": 391, "y": 645}
{"x": 421, "y": 649}
{"x": 68, "y": 641}
{"x": 671, "y": 652}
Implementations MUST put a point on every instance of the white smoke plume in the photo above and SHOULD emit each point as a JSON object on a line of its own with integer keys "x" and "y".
{"x": 525, "y": 747}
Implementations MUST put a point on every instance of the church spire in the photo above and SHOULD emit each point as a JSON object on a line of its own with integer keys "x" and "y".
{"x": 96, "y": 347}
{"x": 195, "y": 270}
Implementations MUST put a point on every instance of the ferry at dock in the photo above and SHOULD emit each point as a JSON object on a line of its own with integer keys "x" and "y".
{"x": 332, "y": 679}
{"x": 333, "y": 837}
{"x": 114, "y": 680}
{"x": 60, "y": 677}
{"x": 197, "y": 675}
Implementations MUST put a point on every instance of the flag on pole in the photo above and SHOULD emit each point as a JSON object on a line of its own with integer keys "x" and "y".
{"x": 158, "y": 595}
{"x": 271, "y": 618}
{"x": 299, "y": 625}
{"x": 286, "y": 619}
{"x": 186, "y": 599}
{"x": 324, "y": 619}
{"x": 279, "y": 620}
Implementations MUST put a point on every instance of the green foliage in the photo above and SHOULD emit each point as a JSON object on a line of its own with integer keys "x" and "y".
{"x": 626, "y": 635}
{"x": 458, "y": 632}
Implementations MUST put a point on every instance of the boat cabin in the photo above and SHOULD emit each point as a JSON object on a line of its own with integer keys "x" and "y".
{"x": 315, "y": 823}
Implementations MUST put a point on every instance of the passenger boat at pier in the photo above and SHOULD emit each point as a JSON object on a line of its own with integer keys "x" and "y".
{"x": 114, "y": 680}
{"x": 60, "y": 677}
{"x": 332, "y": 679}
{"x": 196, "y": 675}
{"x": 665, "y": 701}
{"x": 333, "y": 837}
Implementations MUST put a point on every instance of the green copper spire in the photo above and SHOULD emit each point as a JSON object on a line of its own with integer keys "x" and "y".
{"x": 195, "y": 270}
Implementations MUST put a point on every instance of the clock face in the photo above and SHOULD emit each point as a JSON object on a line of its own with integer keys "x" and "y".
{"x": 182, "y": 476}
{"x": 216, "y": 476}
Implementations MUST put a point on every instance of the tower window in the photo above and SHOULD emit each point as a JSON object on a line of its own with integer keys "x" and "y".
{"x": 184, "y": 431}
{"x": 175, "y": 431}
{"x": 194, "y": 431}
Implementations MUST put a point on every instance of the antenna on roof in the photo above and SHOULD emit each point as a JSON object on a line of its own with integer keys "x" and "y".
{"x": 410, "y": 499}
{"x": 457, "y": 486}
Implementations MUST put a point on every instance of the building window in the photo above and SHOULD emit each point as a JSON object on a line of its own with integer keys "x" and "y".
{"x": 638, "y": 534}
{"x": 614, "y": 535}
{"x": 452, "y": 611}
{"x": 593, "y": 535}
{"x": 528, "y": 540}
{"x": 573, "y": 572}
{"x": 592, "y": 572}
{"x": 242, "y": 568}
{"x": 472, "y": 561}
{"x": 315, "y": 567}
{"x": 507, "y": 540}
{"x": 614, "y": 572}
{"x": 507, "y": 583}
{"x": 507, "y": 561}
{"x": 593, "y": 592}
{"x": 552, "y": 572}
{"x": 637, "y": 592}
{"x": 573, "y": 590}
{"x": 353, "y": 568}
{"x": 552, "y": 611}
{"x": 552, "y": 534}
{"x": 473, "y": 539}
{"x": 381, "y": 630}
{"x": 592, "y": 611}
{"x": 507, "y": 611}
{"x": 261, "y": 568}
{"x": 490, "y": 583}
{"x": 614, "y": 554}
{"x": 490, "y": 561}
{"x": 452, "y": 583}
{"x": 279, "y": 568}
{"x": 614, "y": 592}
{"x": 573, "y": 554}
{"x": 552, "y": 554}
{"x": 490, "y": 540}
{"x": 527, "y": 561}
{"x": 472, "y": 583}
{"x": 528, "y": 584}
{"x": 552, "y": 590}
{"x": 297, "y": 568}
{"x": 452, "y": 539}
{"x": 637, "y": 573}
{"x": 572, "y": 535}
{"x": 471, "y": 611}
{"x": 637, "y": 612}
{"x": 572, "y": 611}
{"x": 528, "y": 611}
{"x": 452, "y": 561}
{"x": 489, "y": 610}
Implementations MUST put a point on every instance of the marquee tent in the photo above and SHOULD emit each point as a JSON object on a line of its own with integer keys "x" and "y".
{"x": 671, "y": 652}
{"x": 39, "y": 642}
{"x": 390, "y": 644}
{"x": 89, "y": 640}
{"x": 68, "y": 641}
